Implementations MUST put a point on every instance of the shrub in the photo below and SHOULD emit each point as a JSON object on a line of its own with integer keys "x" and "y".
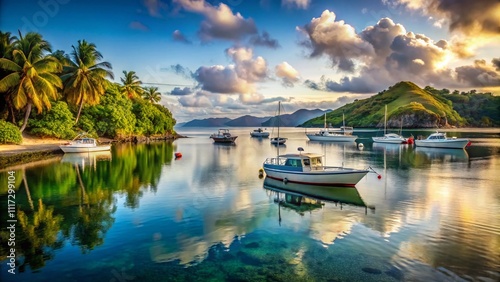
{"x": 58, "y": 122}
{"x": 9, "y": 133}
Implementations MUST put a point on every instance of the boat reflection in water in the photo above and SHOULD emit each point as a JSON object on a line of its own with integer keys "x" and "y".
{"x": 301, "y": 197}
{"x": 445, "y": 155}
{"x": 86, "y": 159}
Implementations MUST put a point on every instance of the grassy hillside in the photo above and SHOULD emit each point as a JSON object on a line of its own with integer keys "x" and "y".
{"x": 407, "y": 104}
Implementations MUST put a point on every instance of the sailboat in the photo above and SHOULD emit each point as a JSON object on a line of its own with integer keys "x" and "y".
{"x": 278, "y": 140}
{"x": 343, "y": 134}
{"x": 391, "y": 138}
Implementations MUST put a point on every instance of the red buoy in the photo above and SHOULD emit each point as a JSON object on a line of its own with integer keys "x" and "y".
{"x": 178, "y": 155}
{"x": 379, "y": 176}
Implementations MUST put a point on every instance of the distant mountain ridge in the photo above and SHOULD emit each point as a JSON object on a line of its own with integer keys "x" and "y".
{"x": 294, "y": 119}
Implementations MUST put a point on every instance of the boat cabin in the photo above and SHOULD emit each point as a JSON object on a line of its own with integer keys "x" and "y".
{"x": 87, "y": 141}
{"x": 298, "y": 162}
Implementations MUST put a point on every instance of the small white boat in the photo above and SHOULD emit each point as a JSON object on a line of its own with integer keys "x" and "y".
{"x": 439, "y": 140}
{"x": 259, "y": 133}
{"x": 308, "y": 168}
{"x": 223, "y": 136}
{"x": 342, "y": 134}
{"x": 82, "y": 144}
{"x": 391, "y": 138}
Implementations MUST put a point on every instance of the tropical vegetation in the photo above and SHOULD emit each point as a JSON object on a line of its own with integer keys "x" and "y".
{"x": 55, "y": 94}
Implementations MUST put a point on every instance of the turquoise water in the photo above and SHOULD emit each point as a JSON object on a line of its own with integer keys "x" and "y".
{"x": 139, "y": 214}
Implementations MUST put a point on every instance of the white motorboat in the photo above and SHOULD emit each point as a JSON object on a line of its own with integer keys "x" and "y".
{"x": 391, "y": 138}
{"x": 82, "y": 144}
{"x": 342, "y": 134}
{"x": 308, "y": 168}
{"x": 259, "y": 133}
{"x": 223, "y": 136}
{"x": 439, "y": 140}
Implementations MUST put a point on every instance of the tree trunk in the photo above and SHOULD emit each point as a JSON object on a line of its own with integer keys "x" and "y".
{"x": 11, "y": 108}
{"x": 26, "y": 116}
{"x": 79, "y": 112}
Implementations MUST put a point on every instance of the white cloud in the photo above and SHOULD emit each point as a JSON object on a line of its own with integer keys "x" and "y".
{"x": 287, "y": 73}
{"x": 220, "y": 22}
{"x": 300, "y": 4}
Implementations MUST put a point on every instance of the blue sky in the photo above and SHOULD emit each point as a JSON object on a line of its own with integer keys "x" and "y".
{"x": 236, "y": 57}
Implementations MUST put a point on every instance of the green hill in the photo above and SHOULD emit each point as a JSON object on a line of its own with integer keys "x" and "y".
{"x": 408, "y": 106}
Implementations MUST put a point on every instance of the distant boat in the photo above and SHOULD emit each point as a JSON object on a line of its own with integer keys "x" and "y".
{"x": 439, "y": 140}
{"x": 82, "y": 144}
{"x": 391, "y": 138}
{"x": 342, "y": 134}
{"x": 278, "y": 140}
{"x": 259, "y": 133}
{"x": 223, "y": 136}
{"x": 308, "y": 168}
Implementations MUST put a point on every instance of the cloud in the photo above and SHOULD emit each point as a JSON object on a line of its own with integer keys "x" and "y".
{"x": 178, "y": 36}
{"x": 496, "y": 63}
{"x": 395, "y": 55}
{"x": 480, "y": 74}
{"x": 177, "y": 91}
{"x": 464, "y": 16}
{"x": 300, "y": 4}
{"x": 154, "y": 7}
{"x": 248, "y": 68}
{"x": 199, "y": 100}
{"x": 220, "y": 79}
{"x": 138, "y": 26}
{"x": 264, "y": 40}
{"x": 179, "y": 70}
{"x": 287, "y": 73}
{"x": 337, "y": 40}
{"x": 219, "y": 22}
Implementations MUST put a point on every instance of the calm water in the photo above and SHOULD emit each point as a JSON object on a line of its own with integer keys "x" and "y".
{"x": 138, "y": 214}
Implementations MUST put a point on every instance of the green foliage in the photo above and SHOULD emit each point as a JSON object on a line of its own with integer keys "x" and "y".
{"x": 57, "y": 122}
{"x": 152, "y": 119}
{"x": 113, "y": 117}
{"x": 479, "y": 109}
{"x": 9, "y": 133}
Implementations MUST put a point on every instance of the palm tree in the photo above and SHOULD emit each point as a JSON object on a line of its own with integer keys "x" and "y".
{"x": 33, "y": 76}
{"x": 131, "y": 84}
{"x": 84, "y": 78}
{"x": 151, "y": 94}
{"x": 6, "y": 46}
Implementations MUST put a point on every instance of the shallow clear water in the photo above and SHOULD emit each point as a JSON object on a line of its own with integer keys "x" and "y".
{"x": 138, "y": 214}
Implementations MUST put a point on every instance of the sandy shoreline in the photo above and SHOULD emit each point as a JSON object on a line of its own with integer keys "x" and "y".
{"x": 31, "y": 144}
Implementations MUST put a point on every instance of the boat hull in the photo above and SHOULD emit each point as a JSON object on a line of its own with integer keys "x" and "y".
{"x": 262, "y": 134}
{"x": 447, "y": 143}
{"x": 333, "y": 176}
{"x": 84, "y": 149}
{"x": 387, "y": 140}
{"x": 339, "y": 138}
{"x": 224, "y": 139}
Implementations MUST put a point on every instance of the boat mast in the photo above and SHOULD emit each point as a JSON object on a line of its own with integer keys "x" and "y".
{"x": 325, "y": 120}
{"x": 278, "y": 138}
{"x": 385, "y": 120}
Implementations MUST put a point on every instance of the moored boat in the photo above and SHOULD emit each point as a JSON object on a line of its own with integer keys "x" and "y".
{"x": 82, "y": 144}
{"x": 342, "y": 134}
{"x": 259, "y": 133}
{"x": 308, "y": 168}
{"x": 391, "y": 138}
{"x": 223, "y": 136}
{"x": 439, "y": 140}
